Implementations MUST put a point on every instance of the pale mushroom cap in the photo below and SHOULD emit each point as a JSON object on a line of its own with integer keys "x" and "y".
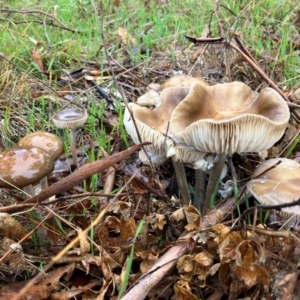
{"x": 156, "y": 159}
{"x": 229, "y": 118}
{"x": 182, "y": 81}
{"x": 70, "y": 118}
{"x": 44, "y": 140}
{"x": 21, "y": 166}
{"x": 149, "y": 99}
{"x": 279, "y": 185}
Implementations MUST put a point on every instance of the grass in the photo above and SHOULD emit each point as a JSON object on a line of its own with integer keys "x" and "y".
{"x": 74, "y": 41}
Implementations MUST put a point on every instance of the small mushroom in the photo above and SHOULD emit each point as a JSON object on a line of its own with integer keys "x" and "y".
{"x": 279, "y": 185}
{"x": 46, "y": 141}
{"x": 228, "y": 118}
{"x": 71, "y": 118}
{"x": 22, "y": 166}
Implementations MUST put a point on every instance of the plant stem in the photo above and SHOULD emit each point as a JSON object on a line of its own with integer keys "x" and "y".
{"x": 182, "y": 182}
{"x": 214, "y": 177}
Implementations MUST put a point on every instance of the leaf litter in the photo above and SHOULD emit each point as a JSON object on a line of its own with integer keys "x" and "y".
{"x": 178, "y": 253}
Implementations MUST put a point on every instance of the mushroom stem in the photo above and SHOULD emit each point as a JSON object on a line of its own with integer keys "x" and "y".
{"x": 182, "y": 182}
{"x": 73, "y": 145}
{"x": 29, "y": 191}
{"x": 44, "y": 182}
{"x": 215, "y": 175}
{"x": 199, "y": 189}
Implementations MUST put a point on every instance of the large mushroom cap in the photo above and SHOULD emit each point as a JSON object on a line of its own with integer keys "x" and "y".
{"x": 70, "y": 118}
{"x": 279, "y": 185}
{"x": 21, "y": 166}
{"x": 230, "y": 118}
{"x": 47, "y": 141}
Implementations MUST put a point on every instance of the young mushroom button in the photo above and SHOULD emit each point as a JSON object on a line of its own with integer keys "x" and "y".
{"x": 22, "y": 166}
{"x": 71, "y": 118}
{"x": 46, "y": 141}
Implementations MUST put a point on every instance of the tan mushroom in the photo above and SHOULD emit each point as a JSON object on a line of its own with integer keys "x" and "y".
{"x": 71, "y": 118}
{"x": 22, "y": 166}
{"x": 279, "y": 185}
{"x": 228, "y": 118}
{"x": 46, "y": 141}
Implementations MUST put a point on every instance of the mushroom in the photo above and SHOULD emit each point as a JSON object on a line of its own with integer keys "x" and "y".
{"x": 279, "y": 185}
{"x": 152, "y": 126}
{"x": 22, "y": 166}
{"x": 71, "y": 118}
{"x": 46, "y": 141}
{"x": 228, "y": 118}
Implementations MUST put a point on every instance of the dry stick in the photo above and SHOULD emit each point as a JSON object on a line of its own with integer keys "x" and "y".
{"x": 75, "y": 178}
{"x": 214, "y": 176}
{"x": 57, "y": 258}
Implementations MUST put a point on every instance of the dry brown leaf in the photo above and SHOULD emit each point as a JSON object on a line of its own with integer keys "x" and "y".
{"x": 203, "y": 258}
{"x": 128, "y": 229}
{"x": 37, "y": 59}
{"x": 42, "y": 289}
{"x": 10, "y": 227}
{"x": 183, "y": 294}
{"x": 159, "y": 222}
{"x": 193, "y": 217}
{"x": 178, "y": 214}
{"x": 84, "y": 242}
{"x": 122, "y": 208}
{"x": 126, "y": 38}
{"x": 112, "y": 223}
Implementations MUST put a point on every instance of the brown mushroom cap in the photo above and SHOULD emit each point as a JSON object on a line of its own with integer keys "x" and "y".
{"x": 70, "y": 118}
{"x": 229, "y": 118}
{"x": 44, "y": 140}
{"x": 279, "y": 185}
{"x": 153, "y": 127}
{"x": 22, "y": 166}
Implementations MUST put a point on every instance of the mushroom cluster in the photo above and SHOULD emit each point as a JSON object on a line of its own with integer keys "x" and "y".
{"x": 194, "y": 121}
{"x": 30, "y": 161}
